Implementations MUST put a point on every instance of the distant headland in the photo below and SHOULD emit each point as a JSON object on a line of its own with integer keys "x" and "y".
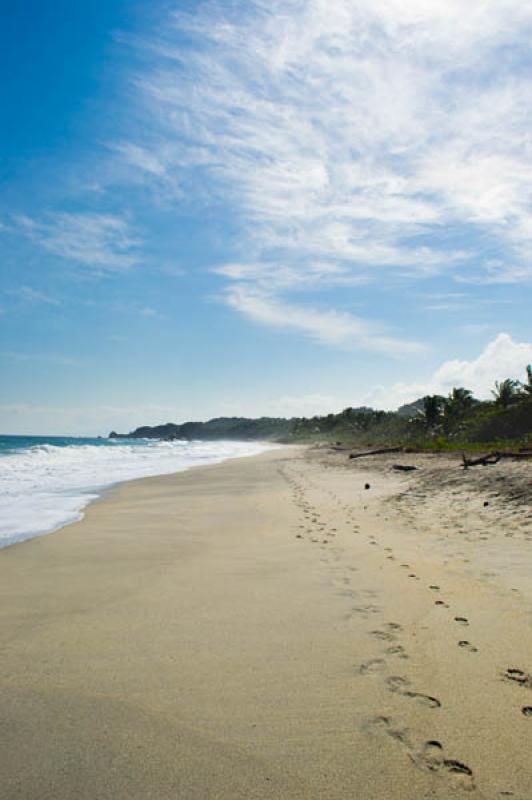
{"x": 237, "y": 428}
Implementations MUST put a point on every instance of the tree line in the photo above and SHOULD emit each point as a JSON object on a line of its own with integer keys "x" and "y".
{"x": 446, "y": 411}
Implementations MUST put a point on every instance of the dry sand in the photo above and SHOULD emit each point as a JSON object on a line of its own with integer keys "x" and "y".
{"x": 268, "y": 628}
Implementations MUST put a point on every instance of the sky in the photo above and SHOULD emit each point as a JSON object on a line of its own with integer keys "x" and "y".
{"x": 251, "y": 207}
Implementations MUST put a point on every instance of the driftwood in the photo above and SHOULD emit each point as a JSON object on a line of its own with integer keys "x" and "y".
{"x": 381, "y": 451}
{"x": 404, "y": 467}
{"x": 484, "y": 461}
{"x": 520, "y": 454}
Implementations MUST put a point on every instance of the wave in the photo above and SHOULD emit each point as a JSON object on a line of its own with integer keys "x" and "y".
{"x": 44, "y": 486}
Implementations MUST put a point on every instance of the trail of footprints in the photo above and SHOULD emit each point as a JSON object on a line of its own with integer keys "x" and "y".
{"x": 316, "y": 530}
{"x": 319, "y": 532}
{"x": 430, "y": 756}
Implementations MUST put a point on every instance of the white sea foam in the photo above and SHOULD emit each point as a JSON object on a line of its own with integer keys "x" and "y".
{"x": 45, "y": 487}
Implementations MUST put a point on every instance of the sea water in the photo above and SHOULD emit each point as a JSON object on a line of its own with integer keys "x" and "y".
{"x": 46, "y": 482}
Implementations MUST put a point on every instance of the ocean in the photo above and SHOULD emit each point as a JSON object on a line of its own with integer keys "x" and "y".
{"x": 47, "y": 481}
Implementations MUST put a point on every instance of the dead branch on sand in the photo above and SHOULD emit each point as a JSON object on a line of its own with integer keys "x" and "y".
{"x": 484, "y": 461}
{"x": 379, "y": 452}
{"x": 518, "y": 455}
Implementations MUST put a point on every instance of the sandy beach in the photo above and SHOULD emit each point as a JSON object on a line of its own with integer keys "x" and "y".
{"x": 270, "y": 628}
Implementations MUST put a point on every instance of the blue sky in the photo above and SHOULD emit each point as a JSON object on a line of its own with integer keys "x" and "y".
{"x": 260, "y": 207}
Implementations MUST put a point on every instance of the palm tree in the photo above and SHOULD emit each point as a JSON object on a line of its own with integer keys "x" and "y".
{"x": 527, "y": 387}
{"x": 461, "y": 398}
{"x": 506, "y": 392}
{"x": 456, "y": 406}
{"x": 432, "y": 409}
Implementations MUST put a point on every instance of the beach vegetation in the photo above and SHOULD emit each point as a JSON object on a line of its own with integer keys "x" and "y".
{"x": 506, "y": 392}
{"x": 432, "y": 409}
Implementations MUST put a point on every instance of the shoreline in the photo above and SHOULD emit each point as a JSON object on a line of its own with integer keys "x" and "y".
{"x": 268, "y": 628}
{"x": 95, "y": 493}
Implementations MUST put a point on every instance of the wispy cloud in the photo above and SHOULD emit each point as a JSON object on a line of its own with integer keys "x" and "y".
{"x": 141, "y": 158}
{"x": 28, "y": 295}
{"x": 353, "y": 140}
{"x": 326, "y": 327}
{"x": 100, "y": 241}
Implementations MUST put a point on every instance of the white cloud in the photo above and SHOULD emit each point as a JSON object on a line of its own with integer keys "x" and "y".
{"x": 355, "y": 141}
{"x": 501, "y": 358}
{"x": 101, "y": 241}
{"x": 326, "y": 327}
{"x": 141, "y": 158}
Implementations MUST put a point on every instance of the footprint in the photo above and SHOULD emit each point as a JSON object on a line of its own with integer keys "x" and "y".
{"x": 462, "y": 620}
{"x": 518, "y": 676}
{"x": 386, "y": 725}
{"x": 459, "y": 769}
{"x": 434, "y": 588}
{"x": 527, "y": 711}
{"x": 371, "y": 666}
{"x": 396, "y": 683}
{"x": 424, "y": 699}
{"x": 397, "y": 650}
{"x": 393, "y": 626}
{"x": 467, "y": 646}
{"x": 431, "y": 755}
{"x": 384, "y": 635}
{"x": 432, "y": 758}
{"x": 366, "y": 610}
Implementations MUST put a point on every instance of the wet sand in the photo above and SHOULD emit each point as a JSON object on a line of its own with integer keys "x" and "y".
{"x": 269, "y": 628}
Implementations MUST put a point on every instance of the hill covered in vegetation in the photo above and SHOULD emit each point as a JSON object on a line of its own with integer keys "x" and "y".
{"x": 432, "y": 422}
{"x": 236, "y": 428}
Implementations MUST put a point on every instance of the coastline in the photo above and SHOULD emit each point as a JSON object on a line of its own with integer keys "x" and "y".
{"x": 268, "y": 628}
{"x": 49, "y": 508}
